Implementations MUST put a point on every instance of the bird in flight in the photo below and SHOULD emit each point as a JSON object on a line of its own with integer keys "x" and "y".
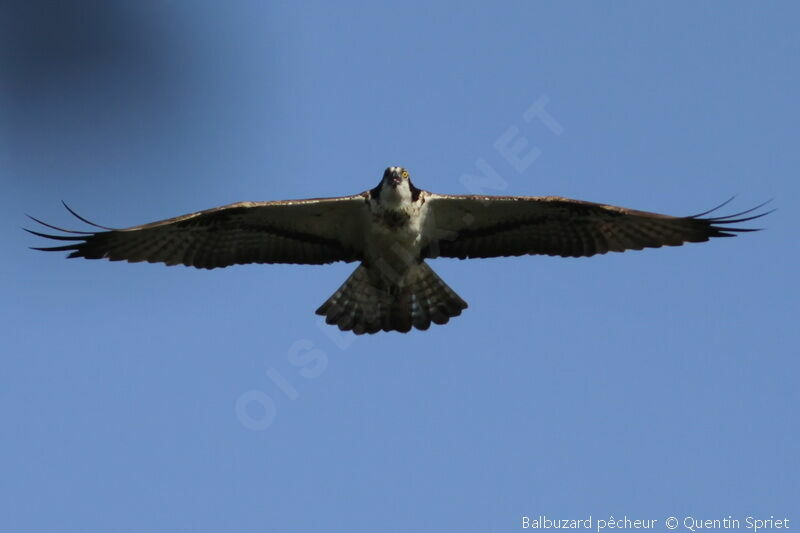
{"x": 391, "y": 230}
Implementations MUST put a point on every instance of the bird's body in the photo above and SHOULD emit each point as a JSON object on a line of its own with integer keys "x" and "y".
{"x": 391, "y": 230}
{"x": 393, "y": 289}
{"x": 395, "y": 228}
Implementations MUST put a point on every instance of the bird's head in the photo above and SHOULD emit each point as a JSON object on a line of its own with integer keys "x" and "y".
{"x": 396, "y": 188}
{"x": 395, "y": 177}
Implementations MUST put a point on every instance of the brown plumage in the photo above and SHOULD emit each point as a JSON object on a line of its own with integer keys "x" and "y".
{"x": 391, "y": 230}
{"x": 497, "y": 226}
{"x": 366, "y": 304}
{"x": 234, "y": 234}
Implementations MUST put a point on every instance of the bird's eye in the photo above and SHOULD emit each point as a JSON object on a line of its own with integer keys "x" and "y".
{"x": 405, "y": 173}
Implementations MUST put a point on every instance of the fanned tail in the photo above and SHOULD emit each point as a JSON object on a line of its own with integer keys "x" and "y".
{"x": 366, "y": 303}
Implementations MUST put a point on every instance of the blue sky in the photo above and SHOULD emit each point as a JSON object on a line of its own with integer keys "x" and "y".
{"x": 136, "y": 397}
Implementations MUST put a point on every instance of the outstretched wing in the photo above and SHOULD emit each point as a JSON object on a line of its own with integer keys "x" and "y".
{"x": 313, "y": 231}
{"x": 493, "y": 226}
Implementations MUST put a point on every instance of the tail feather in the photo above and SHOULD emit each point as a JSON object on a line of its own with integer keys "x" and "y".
{"x": 367, "y": 303}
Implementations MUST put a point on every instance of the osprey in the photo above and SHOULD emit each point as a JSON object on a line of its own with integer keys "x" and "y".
{"x": 391, "y": 230}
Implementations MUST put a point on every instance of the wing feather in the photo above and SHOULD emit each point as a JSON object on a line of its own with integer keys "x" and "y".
{"x": 315, "y": 231}
{"x": 493, "y": 226}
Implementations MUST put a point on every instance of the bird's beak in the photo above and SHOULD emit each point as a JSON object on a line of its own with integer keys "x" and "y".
{"x": 394, "y": 181}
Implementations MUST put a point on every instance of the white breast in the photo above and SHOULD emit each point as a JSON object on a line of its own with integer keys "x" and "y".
{"x": 398, "y": 246}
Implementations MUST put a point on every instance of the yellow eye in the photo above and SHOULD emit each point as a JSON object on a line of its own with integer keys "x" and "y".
{"x": 405, "y": 173}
